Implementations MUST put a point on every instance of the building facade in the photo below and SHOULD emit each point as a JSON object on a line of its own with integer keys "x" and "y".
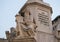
{"x": 56, "y": 28}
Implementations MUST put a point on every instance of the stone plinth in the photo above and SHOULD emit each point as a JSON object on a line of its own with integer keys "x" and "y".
{"x": 23, "y": 40}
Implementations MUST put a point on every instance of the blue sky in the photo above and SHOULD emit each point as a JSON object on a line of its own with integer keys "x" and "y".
{"x": 9, "y": 8}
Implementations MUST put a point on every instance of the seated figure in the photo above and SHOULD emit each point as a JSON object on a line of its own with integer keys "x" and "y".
{"x": 28, "y": 28}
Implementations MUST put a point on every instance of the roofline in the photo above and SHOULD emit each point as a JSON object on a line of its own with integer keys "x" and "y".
{"x": 3, "y": 39}
{"x": 56, "y": 18}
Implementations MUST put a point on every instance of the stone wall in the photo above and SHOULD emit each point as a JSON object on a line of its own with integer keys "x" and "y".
{"x": 3, "y": 40}
{"x": 23, "y": 40}
{"x": 44, "y": 37}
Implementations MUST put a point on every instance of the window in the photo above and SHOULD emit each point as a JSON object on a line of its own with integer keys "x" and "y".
{"x": 53, "y": 28}
{"x": 22, "y": 14}
{"x": 58, "y": 32}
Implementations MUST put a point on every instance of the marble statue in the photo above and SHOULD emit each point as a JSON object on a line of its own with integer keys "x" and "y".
{"x": 28, "y": 26}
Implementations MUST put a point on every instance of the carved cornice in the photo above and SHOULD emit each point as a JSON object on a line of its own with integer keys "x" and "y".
{"x": 36, "y": 3}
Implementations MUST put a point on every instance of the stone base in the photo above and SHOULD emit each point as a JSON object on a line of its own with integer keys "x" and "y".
{"x": 44, "y": 37}
{"x": 27, "y": 39}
